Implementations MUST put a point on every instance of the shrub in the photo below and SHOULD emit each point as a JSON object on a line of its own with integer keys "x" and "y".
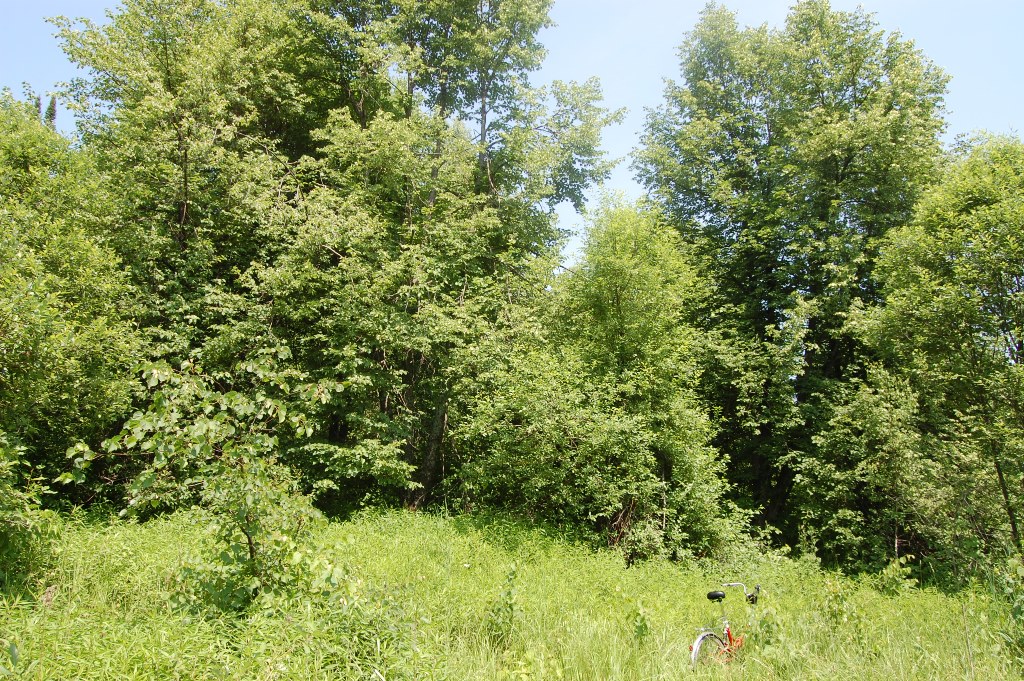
{"x": 211, "y": 441}
{"x": 22, "y": 525}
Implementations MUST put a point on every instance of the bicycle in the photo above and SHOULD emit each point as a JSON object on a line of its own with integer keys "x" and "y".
{"x": 709, "y": 645}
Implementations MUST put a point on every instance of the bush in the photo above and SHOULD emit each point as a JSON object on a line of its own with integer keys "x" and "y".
{"x": 201, "y": 443}
{"x": 260, "y": 526}
{"x": 23, "y": 526}
{"x": 66, "y": 343}
{"x": 588, "y": 415}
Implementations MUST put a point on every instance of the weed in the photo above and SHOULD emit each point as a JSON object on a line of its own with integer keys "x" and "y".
{"x": 895, "y": 579}
{"x": 504, "y": 614}
{"x": 641, "y": 623}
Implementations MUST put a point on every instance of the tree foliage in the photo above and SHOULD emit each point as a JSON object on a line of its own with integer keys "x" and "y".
{"x": 783, "y": 156}
{"x": 22, "y": 524}
{"x": 357, "y": 182}
{"x": 212, "y": 441}
{"x": 588, "y": 415}
{"x": 951, "y": 327}
{"x": 171, "y": 110}
{"x": 357, "y": 188}
{"x": 306, "y": 252}
{"x": 67, "y": 340}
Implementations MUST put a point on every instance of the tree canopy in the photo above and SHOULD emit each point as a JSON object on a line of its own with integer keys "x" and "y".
{"x": 303, "y": 257}
{"x": 784, "y": 156}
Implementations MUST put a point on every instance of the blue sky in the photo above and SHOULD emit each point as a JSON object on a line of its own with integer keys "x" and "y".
{"x": 631, "y": 46}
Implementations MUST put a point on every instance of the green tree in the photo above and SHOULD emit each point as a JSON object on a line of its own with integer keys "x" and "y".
{"x": 411, "y": 227}
{"x": 783, "y": 156}
{"x": 50, "y": 117}
{"x": 952, "y": 325}
{"x": 309, "y": 172}
{"x": 583, "y": 409}
{"x": 357, "y": 182}
{"x": 67, "y": 341}
{"x": 390, "y": 269}
{"x": 874, "y": 490}
{"x": 173, "y": 109}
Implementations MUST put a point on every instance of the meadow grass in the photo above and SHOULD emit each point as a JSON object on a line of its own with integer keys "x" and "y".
{"x": 430, "y": 597}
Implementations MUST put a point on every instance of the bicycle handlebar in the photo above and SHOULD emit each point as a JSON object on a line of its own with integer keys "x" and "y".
{"x": 752, "y": 596}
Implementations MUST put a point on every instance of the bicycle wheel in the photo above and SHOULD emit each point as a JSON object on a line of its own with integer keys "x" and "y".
{"x": 708, "y": 647}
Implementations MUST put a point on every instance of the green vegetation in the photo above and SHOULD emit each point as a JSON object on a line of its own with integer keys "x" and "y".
{"x": 300, "y": 267}
{"x": 783, "y": 158}
{"x": 427, "y": 597}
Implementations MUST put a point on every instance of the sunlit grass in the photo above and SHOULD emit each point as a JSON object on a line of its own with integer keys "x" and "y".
{"x": 428, "y": 597}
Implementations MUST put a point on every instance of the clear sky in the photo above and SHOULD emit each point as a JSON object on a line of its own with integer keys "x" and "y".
{"x": 631, "y": 46}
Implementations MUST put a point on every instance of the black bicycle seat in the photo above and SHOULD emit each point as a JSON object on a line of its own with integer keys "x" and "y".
{"x": 716, "y": 596}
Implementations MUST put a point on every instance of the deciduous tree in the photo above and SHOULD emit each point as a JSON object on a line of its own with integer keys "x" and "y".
{"x": 67, "y": 340}
{"x": 952, "y": 325}
{"x": 783, "y": 156}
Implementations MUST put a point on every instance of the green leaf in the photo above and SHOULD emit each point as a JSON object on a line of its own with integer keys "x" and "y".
{"x": 144, "y": 481}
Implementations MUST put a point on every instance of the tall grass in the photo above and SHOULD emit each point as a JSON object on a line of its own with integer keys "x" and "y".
{"x": 427, "y": 597}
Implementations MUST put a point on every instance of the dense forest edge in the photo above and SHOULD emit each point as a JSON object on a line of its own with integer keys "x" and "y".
{"x": 300, "y": 270}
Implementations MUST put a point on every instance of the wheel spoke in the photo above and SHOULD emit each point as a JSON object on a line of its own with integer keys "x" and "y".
{"x": 708, "y": 648}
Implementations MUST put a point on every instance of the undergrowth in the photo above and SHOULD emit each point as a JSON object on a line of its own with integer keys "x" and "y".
{"x": 417, "y": 596}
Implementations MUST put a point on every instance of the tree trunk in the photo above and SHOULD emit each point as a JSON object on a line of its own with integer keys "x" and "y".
{"x": 1010, "y": 513}
{"x": 429, "y": 472}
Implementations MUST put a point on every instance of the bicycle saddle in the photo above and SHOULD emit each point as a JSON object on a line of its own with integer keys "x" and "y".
{"x": 716, "y": 596}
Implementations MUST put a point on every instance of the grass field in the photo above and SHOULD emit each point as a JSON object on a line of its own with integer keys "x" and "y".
{"x": 428, "y": 597}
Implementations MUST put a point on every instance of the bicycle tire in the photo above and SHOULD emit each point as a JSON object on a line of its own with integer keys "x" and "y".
{"x": 709, "y": 647}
